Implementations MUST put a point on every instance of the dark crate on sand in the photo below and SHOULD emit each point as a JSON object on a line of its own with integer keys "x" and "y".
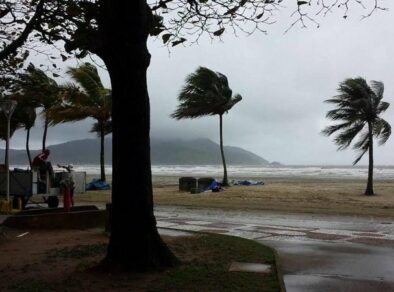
{"x": 204, "y": 182}
{"x": 186, "y": 184}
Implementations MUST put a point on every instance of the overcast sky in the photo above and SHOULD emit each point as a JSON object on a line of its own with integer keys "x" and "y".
{"x": 283, "y": 79}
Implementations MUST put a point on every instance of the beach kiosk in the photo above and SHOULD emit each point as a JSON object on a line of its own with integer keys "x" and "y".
{"x": 26, "y": 186}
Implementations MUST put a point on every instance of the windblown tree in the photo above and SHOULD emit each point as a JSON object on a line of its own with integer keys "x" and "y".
{"x": 28, "y": 121}
{"x": 87, "y": 99}
{"x": 207, "y": 93}
{"x": 358, "y": 109}
{"x": 41, "y": 91}
{"x": 117, "y": 32}
{"x": 26, "y": 116}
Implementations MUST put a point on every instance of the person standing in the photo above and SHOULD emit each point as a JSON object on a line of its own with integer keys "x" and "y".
{"x": 43, "y": 166}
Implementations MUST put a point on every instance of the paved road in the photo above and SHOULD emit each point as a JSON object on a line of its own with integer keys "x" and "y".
{"x": 318, "y": 253}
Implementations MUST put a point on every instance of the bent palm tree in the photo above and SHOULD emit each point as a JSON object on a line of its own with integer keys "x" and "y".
{"x": 206, "y": 93}
{"x": 41, "y": 91}
{"x": 358, "y": 108}
{"x": 91, "y": 99}
{"x": 27, "y": 119}
{"x": 25, "y": 113}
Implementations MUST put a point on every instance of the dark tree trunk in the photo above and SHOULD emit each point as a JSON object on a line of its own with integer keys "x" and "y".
{"x": 225, "y": 179}
{"x": 369, "y": 190}
{"x": 44, "y": 136}
{"x": 135, "y": 243}
{"x": 102, "y": 162}
{"x": 27, "y": 145}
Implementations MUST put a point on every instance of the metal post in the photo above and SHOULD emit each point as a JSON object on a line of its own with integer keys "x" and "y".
{"x": 7, "y": 157}
{"x": 8, "y": 107}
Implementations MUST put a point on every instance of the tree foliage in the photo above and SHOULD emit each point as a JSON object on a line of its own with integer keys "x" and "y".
{"x": 15, "y": 122}
{"x": 86, "y": 99}
{"x": 205, "y": 93}
{"x": 75, "y": 24}
{"x": 357, "y": 106}
{"x": 39, "y": 91}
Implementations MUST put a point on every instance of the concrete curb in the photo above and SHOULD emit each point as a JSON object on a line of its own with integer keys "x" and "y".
{"x": 69, "y": 220}
{"x": 56, "y": 210}
{"x": 279, "y": 272}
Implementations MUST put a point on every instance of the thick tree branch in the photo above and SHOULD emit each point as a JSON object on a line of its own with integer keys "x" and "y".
{"x": 19, "y": 41}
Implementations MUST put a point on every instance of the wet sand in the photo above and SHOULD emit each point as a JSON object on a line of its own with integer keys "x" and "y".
{"x": 322, "y": 196}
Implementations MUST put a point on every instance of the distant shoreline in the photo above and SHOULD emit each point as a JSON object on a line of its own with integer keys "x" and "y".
{"x": 255, "y": 172}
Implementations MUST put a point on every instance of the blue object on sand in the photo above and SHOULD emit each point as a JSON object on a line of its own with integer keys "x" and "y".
{"x": 214, "y": 187}
{"x": 248, "y": 183}
{"x": 97, "y": 184}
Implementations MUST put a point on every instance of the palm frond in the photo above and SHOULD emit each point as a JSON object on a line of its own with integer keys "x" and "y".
{"x": 69, "y": 113}
{"x": 93, "y": 100}
{"x": 345, "y": 138}
{"x": 362, "y": 145}
{"x": 363, "y": 142}
{"x": 382, "y": 107}
{"x": 347, "y": 114}
{"x": 329, "y": 130}
{"x": 359, "y": 157}
{"x": 382, "y": 130}
{"x": 378, "y": 88}
{"x": 37, "y": 88}
{"x": 358, "y": 104}
{"x": 205, "y": 93}
{"x": 87, "y": 77}
{"x": 96, "y": 128}
{"x": 15, "y": 122}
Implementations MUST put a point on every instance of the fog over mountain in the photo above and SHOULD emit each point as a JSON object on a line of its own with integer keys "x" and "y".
{"x": 164, "y": 151}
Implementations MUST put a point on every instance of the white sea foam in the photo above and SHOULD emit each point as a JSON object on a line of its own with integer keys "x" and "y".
{"x": 380, "y": 172}
{"x": 284, "y": 171}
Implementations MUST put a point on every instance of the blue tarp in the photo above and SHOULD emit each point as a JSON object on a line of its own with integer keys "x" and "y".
{"x": 248, "y": 183}
{"x": 214, "y": 186}
{"x": 97, "y": 184}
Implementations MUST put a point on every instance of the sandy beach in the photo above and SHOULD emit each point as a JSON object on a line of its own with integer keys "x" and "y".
{"x": 311, "y": 195}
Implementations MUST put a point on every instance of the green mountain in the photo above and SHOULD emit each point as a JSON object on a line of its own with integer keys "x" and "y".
{"x": 200, "y": 152}
{"x": 175, "y": 152}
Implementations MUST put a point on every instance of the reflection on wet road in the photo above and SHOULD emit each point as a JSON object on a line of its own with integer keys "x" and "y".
{"x": 318, "y": 253}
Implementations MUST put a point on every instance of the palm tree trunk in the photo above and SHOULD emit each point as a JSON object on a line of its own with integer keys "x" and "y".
{"x": 44, "y": 136}
{"x": 134, "y": 243}
{"x": 225, "y": 180}
{"x": 369, "y": 190}
{"x": 27, "y": 146}
{"x": 102, "y": 163}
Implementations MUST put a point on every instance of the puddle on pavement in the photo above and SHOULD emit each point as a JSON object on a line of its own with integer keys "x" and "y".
{"x": 174, "y": 233}
{"x": 198, "y": 222}
{"x": 165, "y": 224}
{"x": 249, "y": 235}
{"x": 249, "y": 267}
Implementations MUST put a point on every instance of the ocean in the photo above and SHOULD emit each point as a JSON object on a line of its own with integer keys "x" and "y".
{"x": 254, "y": 172}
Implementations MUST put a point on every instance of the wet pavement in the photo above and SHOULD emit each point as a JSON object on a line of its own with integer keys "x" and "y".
{"x": 317, "y": 252}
